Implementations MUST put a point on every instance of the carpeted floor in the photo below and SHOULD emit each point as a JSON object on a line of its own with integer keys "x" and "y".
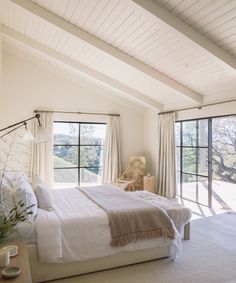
{"x": 209, "y": 257}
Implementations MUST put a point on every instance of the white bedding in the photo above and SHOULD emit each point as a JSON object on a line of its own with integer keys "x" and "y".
{"x": 27, "y": 231}
{"x": 179, "y": 214}
{"x": 78, "y": 230}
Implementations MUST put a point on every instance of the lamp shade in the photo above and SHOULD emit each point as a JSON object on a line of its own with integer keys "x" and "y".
{"x": 27, "y": 137}
{"x": 42, "y": 135}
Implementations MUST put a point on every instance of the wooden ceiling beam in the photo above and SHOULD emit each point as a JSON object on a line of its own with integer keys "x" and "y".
{"x": 108, "y": 49}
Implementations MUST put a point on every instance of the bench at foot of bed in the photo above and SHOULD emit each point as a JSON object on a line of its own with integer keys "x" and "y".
{"x": 187, "y": 231}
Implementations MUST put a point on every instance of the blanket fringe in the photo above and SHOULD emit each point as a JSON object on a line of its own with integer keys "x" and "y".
{"x": 123, "y": 240}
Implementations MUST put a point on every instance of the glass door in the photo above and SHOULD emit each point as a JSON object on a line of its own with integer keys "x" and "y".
{"x": 224, "y": 161}
{"x": 206, "y": 161}
{"x": 193, "y": 165}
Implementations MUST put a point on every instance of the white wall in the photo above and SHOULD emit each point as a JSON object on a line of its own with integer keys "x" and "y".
{"x": 28, "y": 86}
{"x": 150, "y": 139}
{"x": 208, "y": 111}
{"x": 0, "y": 64}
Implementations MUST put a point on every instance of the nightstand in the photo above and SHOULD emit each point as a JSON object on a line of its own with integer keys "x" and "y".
{"x": 20, "y": 260}
{"x": 149, "y": 183}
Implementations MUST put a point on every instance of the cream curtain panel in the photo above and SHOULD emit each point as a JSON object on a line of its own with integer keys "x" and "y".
{"x": 41, "y": 162}
{"x": 112, "y": 161}
{"x": 166, "y": 163}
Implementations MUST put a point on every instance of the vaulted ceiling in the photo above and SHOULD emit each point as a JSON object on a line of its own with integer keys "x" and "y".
{"x": 165, "y": 54}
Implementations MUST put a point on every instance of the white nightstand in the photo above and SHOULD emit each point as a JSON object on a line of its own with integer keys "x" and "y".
{"x": 149, "y": 183}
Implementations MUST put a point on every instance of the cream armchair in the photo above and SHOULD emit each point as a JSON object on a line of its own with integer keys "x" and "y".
{"x": 132, "y": 178}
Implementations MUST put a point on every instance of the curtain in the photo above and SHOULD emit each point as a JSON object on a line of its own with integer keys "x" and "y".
{"x": 166, "y": 163}
{"x": 41, "y": 161}
{"x": 112, "y": 162}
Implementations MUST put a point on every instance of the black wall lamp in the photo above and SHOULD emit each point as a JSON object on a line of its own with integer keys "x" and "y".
{"x": 41, "y": 136}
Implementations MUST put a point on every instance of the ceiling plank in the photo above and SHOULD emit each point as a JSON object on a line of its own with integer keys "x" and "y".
{"x": 1, "y": 66}
{"x": 80, "y": 68}
{"x": 108, "y": 49}
{"x": 189, "y": 34}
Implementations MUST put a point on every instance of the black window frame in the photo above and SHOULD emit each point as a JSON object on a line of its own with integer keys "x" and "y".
{"x": 79, "y": 147}
{"x": 196, "y": 147}
{"x": 209, "y": 119}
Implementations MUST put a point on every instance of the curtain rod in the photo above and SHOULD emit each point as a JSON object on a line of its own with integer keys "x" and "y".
{"x": 197, "y": 107}
{"x": 75, "y": 112}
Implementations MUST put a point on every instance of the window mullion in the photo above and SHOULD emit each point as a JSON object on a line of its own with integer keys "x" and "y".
{"x": 181, "y": 159}
{"x": 197, "y": 160}
{"x": 79, "y": 156}
{"x": 210, "y": 162}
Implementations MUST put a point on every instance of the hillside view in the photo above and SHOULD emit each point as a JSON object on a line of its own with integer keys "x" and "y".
{"x": 78, "y": 153}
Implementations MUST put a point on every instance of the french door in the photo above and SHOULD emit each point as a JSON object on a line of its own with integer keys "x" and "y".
{"x": 206, "y": 160}
{"x": 194, "y": 167}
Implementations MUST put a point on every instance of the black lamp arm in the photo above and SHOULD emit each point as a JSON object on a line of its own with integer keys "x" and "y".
{"x": 37, "y": 116}
{"x": 19, "y": 126}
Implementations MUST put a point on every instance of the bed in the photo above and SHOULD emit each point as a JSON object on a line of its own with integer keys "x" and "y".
{"x": 75, "y": 237}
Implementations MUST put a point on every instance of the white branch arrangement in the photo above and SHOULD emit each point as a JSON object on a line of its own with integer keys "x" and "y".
{"x": 11, "y": 156}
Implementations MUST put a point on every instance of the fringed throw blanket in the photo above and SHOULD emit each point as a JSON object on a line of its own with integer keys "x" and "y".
{"x": 130, "y": 218}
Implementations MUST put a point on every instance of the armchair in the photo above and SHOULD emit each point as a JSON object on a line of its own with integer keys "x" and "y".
{"x": 132, "y": 178}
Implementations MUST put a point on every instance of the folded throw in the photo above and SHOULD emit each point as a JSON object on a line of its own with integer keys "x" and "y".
{"x": 130, "y": 218}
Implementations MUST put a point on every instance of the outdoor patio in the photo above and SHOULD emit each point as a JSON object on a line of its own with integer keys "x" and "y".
{"x": 223, "y": 198}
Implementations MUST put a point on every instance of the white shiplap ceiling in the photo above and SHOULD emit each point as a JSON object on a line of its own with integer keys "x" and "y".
{"x": 135, "y": 47}
{"x": 216, "y": 19}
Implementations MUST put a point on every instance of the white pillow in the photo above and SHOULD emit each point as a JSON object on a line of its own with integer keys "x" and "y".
{"x": 7, "y": 195}
{"x": 24, "y": 192}
{"x": 43, "y": 194}
{"x": 20, "y": 189}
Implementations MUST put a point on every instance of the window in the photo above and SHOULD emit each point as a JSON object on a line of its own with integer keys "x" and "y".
{"x": 78, "y": 153}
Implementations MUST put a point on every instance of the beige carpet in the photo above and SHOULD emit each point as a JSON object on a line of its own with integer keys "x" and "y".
{"x": 209, "y": 257}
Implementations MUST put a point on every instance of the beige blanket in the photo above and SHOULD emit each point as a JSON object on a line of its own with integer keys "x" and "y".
{"x": 130, "y": 218}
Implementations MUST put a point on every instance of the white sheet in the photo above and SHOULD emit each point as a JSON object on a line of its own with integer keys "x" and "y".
{"x": 78, "y": 230}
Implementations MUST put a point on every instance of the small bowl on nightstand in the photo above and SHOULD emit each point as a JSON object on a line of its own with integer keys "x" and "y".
{"x": 13, "y": 250}
{"x": 11, "y": 272}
